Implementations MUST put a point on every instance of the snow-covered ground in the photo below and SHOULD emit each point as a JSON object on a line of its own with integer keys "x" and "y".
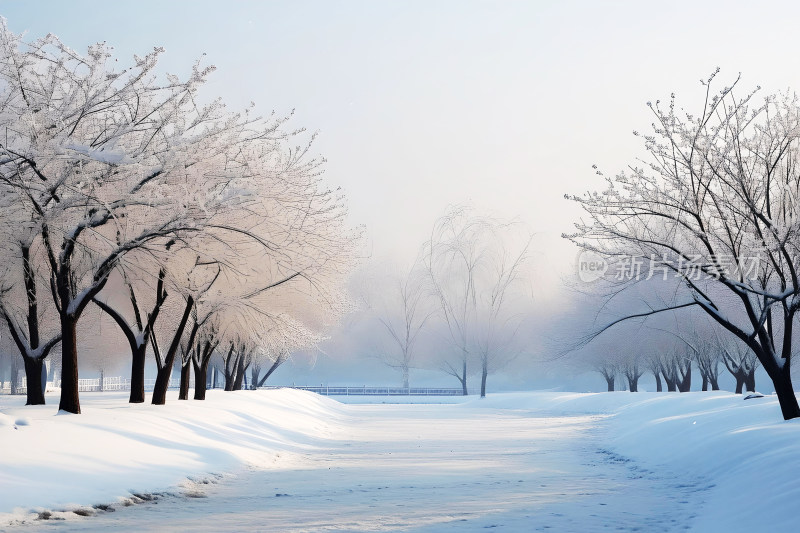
{"x": 288, "y": 460}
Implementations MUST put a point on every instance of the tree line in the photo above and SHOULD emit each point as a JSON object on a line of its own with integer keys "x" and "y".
{"x": 673, "y": 366}
{"x": 711, "y": 208}
{"x": 466, "y": 290}
{"x": 196, "y": 229}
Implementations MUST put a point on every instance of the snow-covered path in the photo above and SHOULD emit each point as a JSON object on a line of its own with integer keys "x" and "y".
{"x": 427, "y": 468}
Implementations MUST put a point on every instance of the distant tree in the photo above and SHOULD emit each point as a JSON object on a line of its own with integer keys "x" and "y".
{"x": 273, "y": 360}
{"x": 403, "y": 315}
{"x": 473, "y": 263}
{"x": 708, "y": 359}
{"x": 740, "y": 361}
{"x": 632, "y": 370}
{"x": 452, "y": 258}
{"x": 498, "y": 324}
{"x": 609, "y": 370}
{"x": 653, "y": 364}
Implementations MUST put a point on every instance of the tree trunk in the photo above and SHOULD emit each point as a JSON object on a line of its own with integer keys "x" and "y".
{"x": 686, "y": 381}
{"x": 405, "y": 377}
{"x": 484, "y": 374}
{"x": 165, "y": 372}
{"x": 200, "y": 380}
{"x": 138, "y": 358}
{"x": 750, "y": 381}
{"x": 44, "y": 377}
{"x": 239, "y": 374}
{"x": 633, "y": 384}
{"x": 162, "y": 385}
{"x": 714, "y": 382}
{"x": 102, "y": 379}
{"x": 659, "y": 387}
{"x": 739, "y": 381}
{"x": 278, "y": 362}
{"x": 33, "y": 375}
{"x": 785, "y": 391}
{"x": 14, "y": 375}
{"x": 215, "y": 372}
{"x": 705, "y": 383}
{"x": 70, "y": 402}
{"x": 463, "y": 379}
{"x": 610, "y": 382}
{"x": 186, "y": 371}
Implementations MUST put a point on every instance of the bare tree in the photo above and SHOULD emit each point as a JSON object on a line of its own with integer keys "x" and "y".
{"x": 632, "y": 370}
{"x": 275, "y": 361}
{"x": 472, "y": 267}
{"x": 452, "y": 257}
{"x": 713, "y": 209}
{"x": 27, "y": 339}
{"x": 708, "y": 359}
{"x": 403, "y": 318}
{"x": 653, "y": 364}
{"x": 609, "y": 369}
{"x": 498, "y": 324}
{"x": 740, "y": 361}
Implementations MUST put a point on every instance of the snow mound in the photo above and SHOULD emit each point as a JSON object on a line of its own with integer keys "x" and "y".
{"x": 115, "y": 450}
{"x": 713, "y": 443}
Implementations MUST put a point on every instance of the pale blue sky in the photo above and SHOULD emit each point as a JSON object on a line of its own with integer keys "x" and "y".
{"x": 423, "y": 104}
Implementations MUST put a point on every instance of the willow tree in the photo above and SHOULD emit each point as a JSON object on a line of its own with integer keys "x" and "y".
{"x": 474, "y": 264}
{"x": 711, "y": 209}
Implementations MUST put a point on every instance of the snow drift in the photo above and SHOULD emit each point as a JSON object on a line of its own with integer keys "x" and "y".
{"x": 738, "y": 458}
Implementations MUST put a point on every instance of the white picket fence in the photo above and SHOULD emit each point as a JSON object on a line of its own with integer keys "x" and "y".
{"x": 118, "y": 383}
{"x": 381, "y": 391}
{"x": 93, "y": 384}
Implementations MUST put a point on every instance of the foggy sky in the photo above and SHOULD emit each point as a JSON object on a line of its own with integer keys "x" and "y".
{"x": 421, "y": 105}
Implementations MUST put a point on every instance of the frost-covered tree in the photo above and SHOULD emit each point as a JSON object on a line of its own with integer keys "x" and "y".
{"x": 472, "y": 270}
{"x": 708, "y": 361}
{"x": 713, "y": 209}
{"x": 632, "y": 369}
{"x": 109, "y": 165}
{"x": 740, "y": 361}
{"x": 403, "y": 311}
{"x": 33, "y": 327}
{"x": 138, "y": 330}
{"x": 609, "y": 369}
{"x": 653, "y": 364}
{"x": 269, "y": 361}
{"x": 675, "y": 366}
{"x": 498, "y": 322}
{"x": 96, "y": 154}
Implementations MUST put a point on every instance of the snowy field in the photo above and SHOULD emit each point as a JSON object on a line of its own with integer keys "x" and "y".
{"x": 287, "y": 460}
